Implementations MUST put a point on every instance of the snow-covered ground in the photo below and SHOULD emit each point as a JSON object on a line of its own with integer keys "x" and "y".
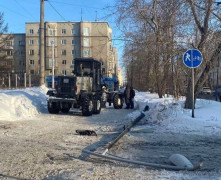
{"x": 166, "y": 116}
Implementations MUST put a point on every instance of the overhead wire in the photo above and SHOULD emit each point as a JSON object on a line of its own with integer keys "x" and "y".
{"x": 56, "y": 10}
{"x": 26, "y": 10}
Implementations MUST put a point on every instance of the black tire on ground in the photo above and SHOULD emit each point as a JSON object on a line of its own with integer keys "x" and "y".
{"x": 53, "y": 108}
{"x": 117, "y": 101}
{"x": 97, "y": 106}
{"x": 87, "y": 106}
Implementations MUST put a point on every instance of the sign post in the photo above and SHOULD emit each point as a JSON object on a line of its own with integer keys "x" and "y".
{"x": 192, "y": 58}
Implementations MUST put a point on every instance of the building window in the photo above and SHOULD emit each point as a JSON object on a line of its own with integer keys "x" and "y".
{"x": 32, "y": 71}
{"x": 52, "y": 32}
{"x": 64, "y": 72}
{"x": 73, "y": 42}
{"x": 51, "y": 62}
{"x": 21, "y": 53}
{"x": 31, "y": 31}
{"x": 73, "y": 31}
{"x": 51, "y": 41}
{"x": 63, "y": 41}
{"x": 86, "y": 42}
{"x": 64, "y": 62}
{"x": 21, "y": 43}
{"x": 9, "y": 53}
{"x": 72, "y": 63}
{"x": 32, "y": 62}
{"x": 63, "y": 52}
{"x": 86, "y": 53}
{"x": 9, "y": 43}
{"x": 31, "y": 41}
{"x": 73, "y": 52}
{"x": 63, "y": 31}
{"x": 86, "y": 32}
{"x": 31, "y": 52}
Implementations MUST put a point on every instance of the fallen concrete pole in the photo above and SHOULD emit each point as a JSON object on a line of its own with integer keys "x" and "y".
{"x": 144, "y": 163}
{"x": 124, "y": 132}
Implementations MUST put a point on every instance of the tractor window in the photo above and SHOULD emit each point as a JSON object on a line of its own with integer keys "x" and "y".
{"x": 83, "y": 69}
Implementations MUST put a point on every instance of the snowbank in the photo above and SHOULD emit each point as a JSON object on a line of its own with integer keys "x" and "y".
{"x": 168, "y": 114}
{"x": 22, "y": 103}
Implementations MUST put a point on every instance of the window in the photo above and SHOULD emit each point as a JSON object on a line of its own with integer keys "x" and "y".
{"x": 64, "y": 72}
{"x": 73, "y": 52}
{"x": 21, "y": 43}
{"x": 86, "y": 32}
{"x": 31, "y": 41}
{"x": 86, "y": 42}
{"x": 31, "y": 31}
{"x": 21, "y": 53}
{"x": 32, "y": 71}
{"x": 64, "y": 62}
{"x": 73, "y": 42}
{"x": 9, "y": 43}
{"x": 31, "y": 52}
{"x": 9, "y": 53}
{"x": 63, "y": 52}
{"x": 86, "y": 53}
{"x": 73, "y": 31}
{"x": 31, "y": 62}
{"x": 63, "y": 31}
{"x": 72, "y": 62}
{"x": 51, "y": 62}
{"x": 63, "y": 41}
{"x": 51, "y": 41}
{"x": 52, "y": 32}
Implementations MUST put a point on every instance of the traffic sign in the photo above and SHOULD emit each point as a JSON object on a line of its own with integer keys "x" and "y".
{"x": 192, "y": 58}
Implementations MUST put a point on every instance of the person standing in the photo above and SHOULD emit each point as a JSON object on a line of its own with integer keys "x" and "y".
{"x": 132, "y": 95}
{"x": 127, "y": 97}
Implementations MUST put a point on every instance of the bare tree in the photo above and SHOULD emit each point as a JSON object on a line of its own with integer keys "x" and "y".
{"x": 5, "y": 64}
{"x": 206, "y": 18}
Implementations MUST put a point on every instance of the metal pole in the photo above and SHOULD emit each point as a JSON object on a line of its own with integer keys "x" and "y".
{"x": 25, "y": 80}
{"x": 42, "y": 57}
{"x": 16, "y": 81}
{"x": 193, "y": 93}
{"x": 53, "y": 65}
{"x": 9, "y": 81}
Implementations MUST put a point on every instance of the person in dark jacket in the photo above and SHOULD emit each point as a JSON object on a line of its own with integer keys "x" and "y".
{"x": 129, "y": 95}
{"x": 132, "y": 95}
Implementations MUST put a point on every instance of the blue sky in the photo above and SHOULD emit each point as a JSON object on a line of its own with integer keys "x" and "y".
{"x": 18, "y": 12}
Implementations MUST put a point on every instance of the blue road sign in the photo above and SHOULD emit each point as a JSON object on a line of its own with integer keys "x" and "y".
{"x": 192, "y": 58}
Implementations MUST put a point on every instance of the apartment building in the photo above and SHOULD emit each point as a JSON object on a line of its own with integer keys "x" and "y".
{"x": 65, "y": 41}
{"x": 12, "y": 58}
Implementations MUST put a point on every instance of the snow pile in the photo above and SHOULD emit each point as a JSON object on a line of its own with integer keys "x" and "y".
{"x": 22, "y": 103}
{"x": 168, "y": 114}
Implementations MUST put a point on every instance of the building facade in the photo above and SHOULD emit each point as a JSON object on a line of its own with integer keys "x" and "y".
{"x": 65, "y": 41}
{"x": 12, "y": 59}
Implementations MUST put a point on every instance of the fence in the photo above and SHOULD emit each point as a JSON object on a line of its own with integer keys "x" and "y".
{"x": 18, "y": 80}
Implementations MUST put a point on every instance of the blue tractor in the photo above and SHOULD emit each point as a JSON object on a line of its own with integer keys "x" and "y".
{"x": 115, "y": 96}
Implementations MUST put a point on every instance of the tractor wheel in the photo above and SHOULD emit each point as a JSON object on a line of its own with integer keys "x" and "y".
{"x": 117, "y": 101}
{"x": 87, "y": 106}
{"x": 53, "y": 108}
{"x": 97, "y": 106}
